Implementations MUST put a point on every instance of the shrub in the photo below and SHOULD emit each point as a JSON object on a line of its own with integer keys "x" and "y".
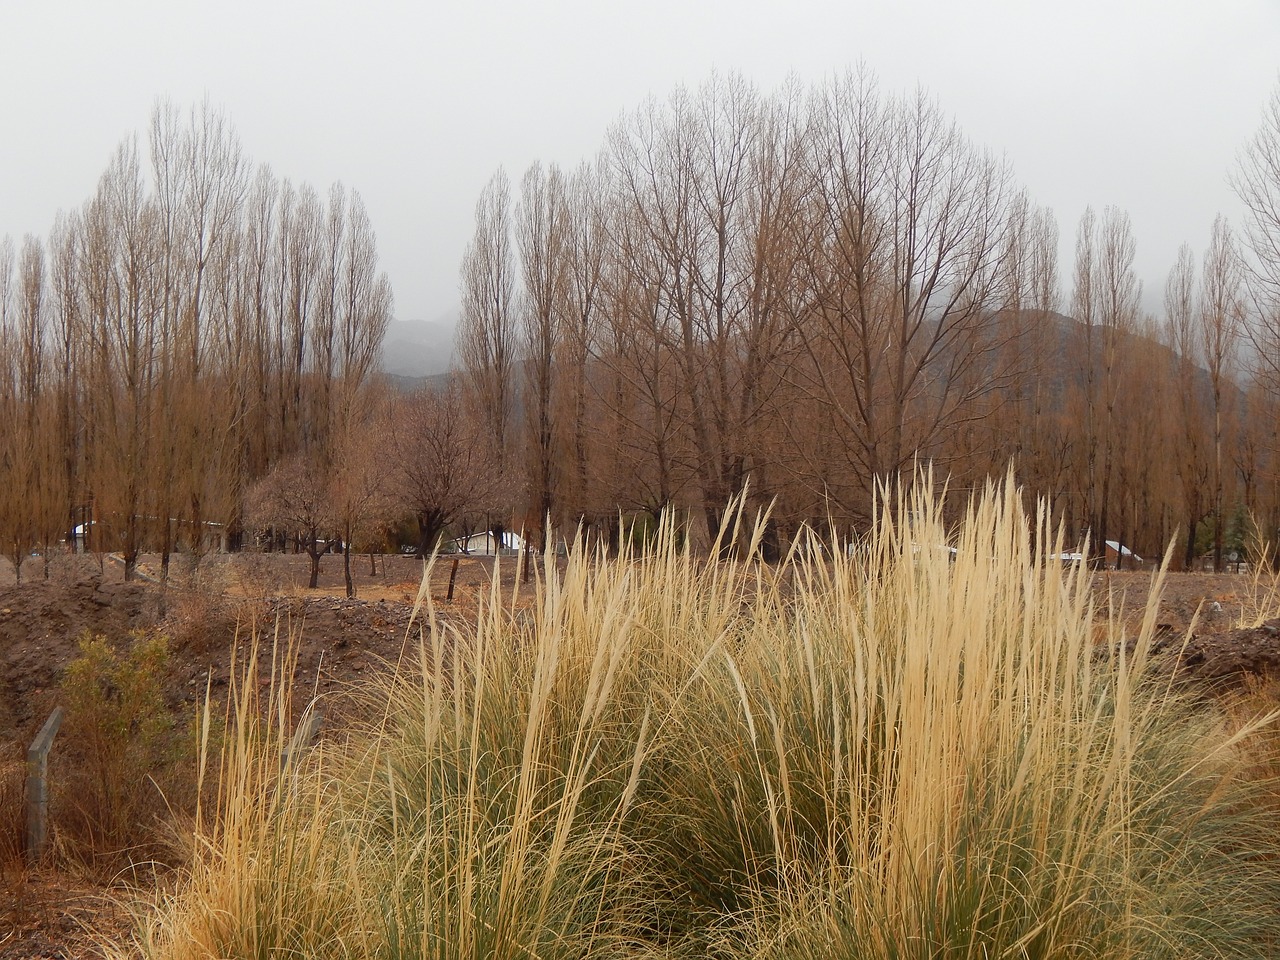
{"x": 120, "y": 754}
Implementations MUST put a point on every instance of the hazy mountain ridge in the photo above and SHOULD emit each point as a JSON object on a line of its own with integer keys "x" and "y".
{"x": 417, "y": 352}
{"x": 419, "y": 348}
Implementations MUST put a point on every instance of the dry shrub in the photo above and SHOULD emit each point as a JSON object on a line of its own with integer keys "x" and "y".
{"x": 1260, "y": 750}
{"x": 205, "y": 613}
{"x": 12, "y": 820}
{"x": 199, "y": 620}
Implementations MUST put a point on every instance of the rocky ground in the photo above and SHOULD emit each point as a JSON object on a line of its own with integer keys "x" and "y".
{"x": 1216, "y": 626}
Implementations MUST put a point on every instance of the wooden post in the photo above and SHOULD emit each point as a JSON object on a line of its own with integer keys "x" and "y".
{"x": 38, "y": 787}
{"x": 453, "y": 576}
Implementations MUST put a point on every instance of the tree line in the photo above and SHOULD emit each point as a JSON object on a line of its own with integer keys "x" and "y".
{"x": 195, "y": 329}
{"x": 792, "y": 297}
{"x": 798, "y": 296}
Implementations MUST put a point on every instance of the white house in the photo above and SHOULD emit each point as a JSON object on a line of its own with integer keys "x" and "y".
{"x": 486, "y": 545}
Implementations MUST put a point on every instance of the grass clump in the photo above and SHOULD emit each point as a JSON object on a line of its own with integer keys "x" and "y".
{"x": 895, "y": 753}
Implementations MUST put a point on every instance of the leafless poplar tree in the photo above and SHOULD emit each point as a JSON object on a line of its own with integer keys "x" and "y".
{"x": 542, "y": 239}
{"x": 487, "y": 335}
{"x": 1182, "y": 311}
{"x": 1256, "y": 181}
{"x": 1221, "y": 320}
{"x": 587, "y": 230}
{"x": 1117, "y": 310}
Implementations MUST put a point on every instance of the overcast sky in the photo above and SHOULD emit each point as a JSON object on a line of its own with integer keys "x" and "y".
{"x": 1143, "y": 105}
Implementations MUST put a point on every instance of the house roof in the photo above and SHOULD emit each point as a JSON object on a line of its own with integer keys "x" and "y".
{"x": 1122, "y": 550}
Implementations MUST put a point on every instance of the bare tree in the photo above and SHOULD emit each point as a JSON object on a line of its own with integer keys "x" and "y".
{"x": 13, "y": 528}
{"x": 124, "y": 307}
{"x": 441, "y": 464}
{"x": 487, "y": 332}
{"x": 902, "y": 333}
{"x": 542, "y": 238}
{"x": 1256, "y": 181}
{"x": 1106, "y": 306}
{"x": 584, "y": 295}
{"x": 69, "y": 343}
{"x": 1119, "y": 294}
{"x": 706, "y": 189}
{"x": 1192, "y": 463}
{"x": 361, "y": 483}
{"x": 296, "y": 499}
{"x": 32, "y": 501}
{"x": 1221, "y": 320}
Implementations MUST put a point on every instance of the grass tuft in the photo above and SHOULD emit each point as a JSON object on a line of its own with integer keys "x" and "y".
{"x": 892, "y": 752}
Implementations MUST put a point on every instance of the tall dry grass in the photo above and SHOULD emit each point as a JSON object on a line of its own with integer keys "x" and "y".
{"x": 12, "y": 809}
{"x": 886, "y": 754}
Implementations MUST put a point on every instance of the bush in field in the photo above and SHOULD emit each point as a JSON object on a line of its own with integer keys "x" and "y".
{"x": 893, "y": 754}
{"x": 118, "y": 753}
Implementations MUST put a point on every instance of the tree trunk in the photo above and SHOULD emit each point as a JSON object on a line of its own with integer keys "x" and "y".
{"x": 429, "y": 529}
{"x": 346, "y": 567}
{"x": 166, "y": 548}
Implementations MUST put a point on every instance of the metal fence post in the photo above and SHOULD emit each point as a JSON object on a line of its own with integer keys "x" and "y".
{"x": 37, "y": 836}
{"x": 302, "y": 737}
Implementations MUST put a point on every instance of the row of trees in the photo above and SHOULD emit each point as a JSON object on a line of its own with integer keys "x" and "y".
{"x": 194, "y": 327}
{"x": 800, "y": 295}
{"x": 793, "y": 297}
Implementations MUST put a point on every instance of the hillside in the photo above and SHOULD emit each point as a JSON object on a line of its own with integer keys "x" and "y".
{"x": 419, "y": 348}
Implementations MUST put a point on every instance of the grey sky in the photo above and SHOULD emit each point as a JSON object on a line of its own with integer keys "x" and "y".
{"x": 1143, "y": 105}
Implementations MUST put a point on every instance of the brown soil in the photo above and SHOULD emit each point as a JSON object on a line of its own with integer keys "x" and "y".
{"x": 340, "y": 640}
{"x": 337, "y": 640}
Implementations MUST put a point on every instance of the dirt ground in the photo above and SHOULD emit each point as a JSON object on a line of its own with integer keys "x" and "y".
{"x": 339, "y": 640}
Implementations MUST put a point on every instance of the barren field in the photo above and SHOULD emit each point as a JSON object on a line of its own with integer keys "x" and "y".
{"x": 340, "y": 640}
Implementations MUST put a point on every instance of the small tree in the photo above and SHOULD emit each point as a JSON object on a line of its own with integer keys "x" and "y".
{"x": 296, "y": 497}
{"x": 442, "y": 464}
{"x": 361, "y": 490}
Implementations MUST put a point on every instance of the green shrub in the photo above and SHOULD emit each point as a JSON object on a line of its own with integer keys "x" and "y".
{"x": 122, "y": 763}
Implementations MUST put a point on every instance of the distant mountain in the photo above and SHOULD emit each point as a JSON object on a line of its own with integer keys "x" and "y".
{"x": 419, "y": 348}
{"x": 402, "y": 384}
{"x": 1064, "y": 346}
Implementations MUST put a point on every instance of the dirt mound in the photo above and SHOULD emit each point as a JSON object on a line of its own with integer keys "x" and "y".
{"x": 340, "y": 640}
{"x": 40, "y": 624}
{"x": 336, "y": 640}
{"x": 1231, "y": 654}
